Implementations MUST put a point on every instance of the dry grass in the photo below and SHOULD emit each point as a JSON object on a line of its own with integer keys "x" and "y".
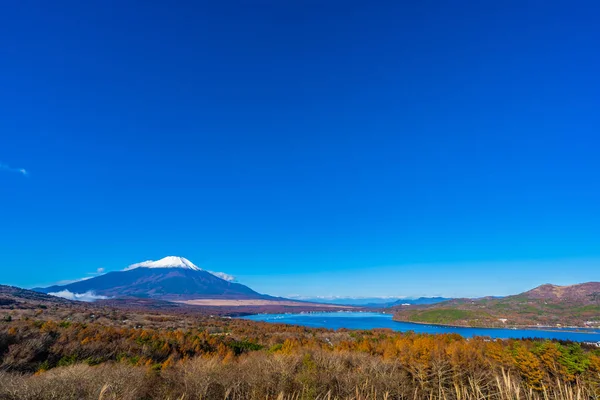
{"x": 312, "y": 375}
{"x": 77, "y": 382}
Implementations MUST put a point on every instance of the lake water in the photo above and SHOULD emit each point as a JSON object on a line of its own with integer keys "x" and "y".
{"x": 366, "y": 320}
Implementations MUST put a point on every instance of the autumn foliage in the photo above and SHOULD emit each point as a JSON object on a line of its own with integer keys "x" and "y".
{"x": 229, "y": 358}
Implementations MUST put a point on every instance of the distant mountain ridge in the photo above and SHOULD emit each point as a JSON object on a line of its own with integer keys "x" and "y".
{"x": 419, "y": 301}
{"x": 373, "y": 302}
{"x": 171, "y": 278}
{"x": 546, "y": 305}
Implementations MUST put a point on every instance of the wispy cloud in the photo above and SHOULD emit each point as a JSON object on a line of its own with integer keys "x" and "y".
{"x": 90, "y": 275}
{"x": 22, "y": 171}
{"x": 99, "y": 271}
{"x": 223, "y": 275}
{"x": 87, "y": 296}
{"x": 69, "y": 281}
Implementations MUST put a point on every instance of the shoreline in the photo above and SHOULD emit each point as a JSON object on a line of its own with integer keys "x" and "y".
{"x": 569, "y": 329}
{"x": 581, "y": 330}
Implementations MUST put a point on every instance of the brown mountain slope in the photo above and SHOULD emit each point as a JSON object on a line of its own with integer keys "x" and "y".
{"x": 585, "y": 293}
{"x": 15, "y": 297}
{"x": 546, "y": 305}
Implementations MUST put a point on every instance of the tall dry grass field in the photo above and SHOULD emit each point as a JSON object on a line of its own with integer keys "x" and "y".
{"x": 311, "y": 375}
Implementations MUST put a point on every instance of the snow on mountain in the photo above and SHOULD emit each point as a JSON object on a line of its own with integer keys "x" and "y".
{"x": 170, "y": 278}
{"x": 177, "y": 262}
{"x": 167, "y": 262}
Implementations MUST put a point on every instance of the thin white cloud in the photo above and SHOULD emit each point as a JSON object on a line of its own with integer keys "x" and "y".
{"x": 223, "y": 275}
{"x": 21, "y": 171}
{"x": 87, "y": 296}
{"x": 91, "y": 275}
{"x": 97, "y": 272}
{"x": 69, "y": 281}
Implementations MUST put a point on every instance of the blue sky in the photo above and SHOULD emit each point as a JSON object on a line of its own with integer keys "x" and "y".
{"x": 311, "y": 148}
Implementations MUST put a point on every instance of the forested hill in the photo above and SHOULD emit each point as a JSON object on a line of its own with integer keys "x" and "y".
{"x": 546, "y": 305}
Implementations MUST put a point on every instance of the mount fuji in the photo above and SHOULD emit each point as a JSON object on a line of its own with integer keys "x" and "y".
{"x": 170, "y": 278}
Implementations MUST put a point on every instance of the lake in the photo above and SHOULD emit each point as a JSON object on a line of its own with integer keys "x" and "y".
{"x": 367, "y": 320}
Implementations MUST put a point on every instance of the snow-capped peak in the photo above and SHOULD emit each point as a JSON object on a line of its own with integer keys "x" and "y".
{"x": 178, "y": 262}
{"x": 167, "y": 262}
